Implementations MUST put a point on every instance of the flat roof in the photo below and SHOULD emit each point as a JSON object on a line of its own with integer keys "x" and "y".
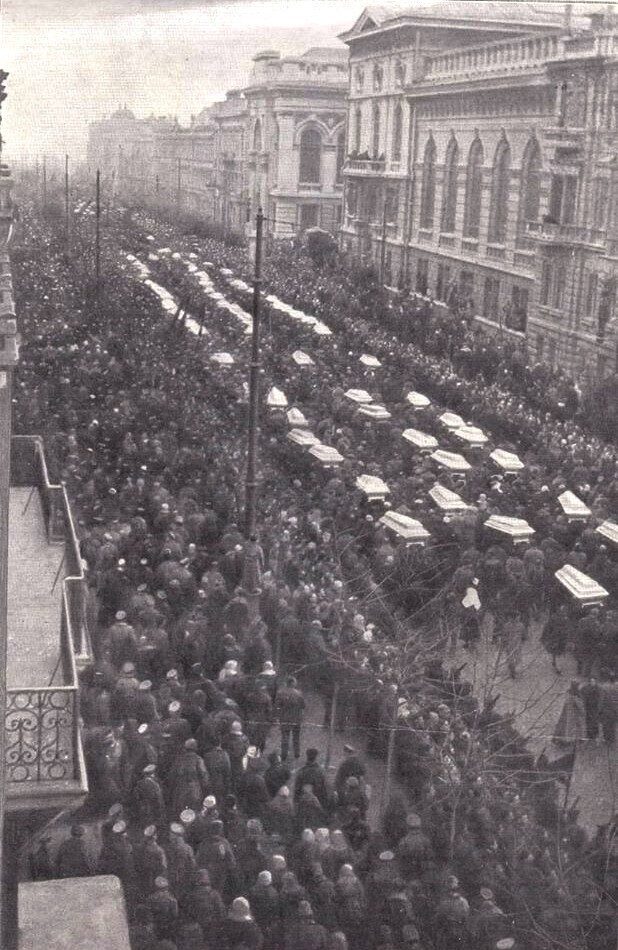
{"x": 76, "y": 913}
{"x": 34, "y": 603}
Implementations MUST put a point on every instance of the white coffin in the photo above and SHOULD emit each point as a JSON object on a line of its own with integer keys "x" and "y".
{"x": 421, "y": 440}
{"x": 451, "y": 420}
{"x": 609, "y": 530}
{"x": 573, "y": 507}
{"x": 379, "y": 413}
{"x": 418, "y": 400}
{"x": 326, "y": 454}
{"x": 302, "y": 359}
{"x": 515, "y": 528}
{"x": 451, "y": 461}
{"x": 372, "y": 486}
{"x": 581, "y": 587}
{"x": 372, "y": 361}
{"x": 361, "y": 396}
{"x": 223, "y": 359}
{"x": 446, "y": 499}
{"x": 276, "y": 399}
{"x": 507, "y": 461}
{"x": 407, "y": 528}
{"x": 471, "y": 435}
{"x": 303, "y": 437}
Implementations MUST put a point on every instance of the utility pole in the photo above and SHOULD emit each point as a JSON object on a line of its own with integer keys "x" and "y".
{"x": 97, "y": 247}
{"x": 66, "y": 205}
{"x": 178, "y": 192}
{"x": 251, "y": 566}
{"x": 390, "y": 752}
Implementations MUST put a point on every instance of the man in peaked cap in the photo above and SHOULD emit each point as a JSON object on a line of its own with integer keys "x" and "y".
{"x": 201, "y": 902}
{"x": 147, "y": 801}
{"x": 181, "y": 863}
{"x": 150, "y": 859}
{"x": 188, "y": 779}
{"x": 164, "y": 909}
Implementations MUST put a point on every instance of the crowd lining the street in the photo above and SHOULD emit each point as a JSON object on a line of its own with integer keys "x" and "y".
{"x": 191, "y": 704}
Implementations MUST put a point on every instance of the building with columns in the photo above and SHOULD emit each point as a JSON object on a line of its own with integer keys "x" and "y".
{"x": 296, "y": 138}
{"x": 481, "y": 164}
{"x": 231, "y": 197}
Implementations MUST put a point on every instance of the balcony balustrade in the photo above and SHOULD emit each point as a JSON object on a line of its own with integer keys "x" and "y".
{"x": 545, "y": 232}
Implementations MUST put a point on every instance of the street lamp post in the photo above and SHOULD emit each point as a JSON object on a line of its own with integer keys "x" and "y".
{"x": 251, "y": 563}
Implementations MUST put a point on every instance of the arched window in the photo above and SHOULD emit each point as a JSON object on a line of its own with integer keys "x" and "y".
{"x": 340, "y": 156}
{"x": 498, "y": 209}
{"x": 449, "y": 188}
{"x": 474, "y": 187}
{"x": 530, "y": 194}
{"x": 375, "y": 132}
{"x": 310, "y": 157}
{"x": 428, "y": 185}
{"x": 257, "y": 136}
{"x": 358, "y": 124}
{"x": 378, "y": 78}
{"x": 397, "y": 132}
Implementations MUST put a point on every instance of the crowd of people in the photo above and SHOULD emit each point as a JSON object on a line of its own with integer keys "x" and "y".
{"x": 192, "y": 709}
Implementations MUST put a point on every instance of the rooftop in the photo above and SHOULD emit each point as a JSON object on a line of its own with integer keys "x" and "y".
{"x": 97, "y": 918}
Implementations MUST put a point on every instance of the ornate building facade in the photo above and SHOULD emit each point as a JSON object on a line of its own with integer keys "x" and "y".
{"x": 296, "y": 138}
{"x": 481, "y": 164}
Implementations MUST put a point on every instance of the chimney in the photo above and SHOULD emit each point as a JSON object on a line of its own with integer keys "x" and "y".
{"x": 568, "y": 17}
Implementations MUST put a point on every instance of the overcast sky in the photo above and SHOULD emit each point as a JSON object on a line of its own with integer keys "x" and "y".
{"x": 71, "y": 61}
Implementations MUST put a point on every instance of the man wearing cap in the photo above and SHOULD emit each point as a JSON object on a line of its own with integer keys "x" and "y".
{"x": 164, "y": 909}
{"x": 240, "y": 929}
{"x": 150, "y": 859}
{"x": 452, "y": 914}
{"x": 289, "y": 710}
{"x": 147, "y": 801}
{"x": 236, "y": 745}
{"x": 188, "y": 779}
{"x": 181, "y": 863}
{"x": 252, "y": 792}
{"x": 415, "y": 852}
{"x": 116, "y": 857}
{"x": 121, "y": 641}
{"x": 276, "y": 775}
{"x": 72, "y": 859}
{"x": 489, "y": 923}
{"x": 264, "y": 901}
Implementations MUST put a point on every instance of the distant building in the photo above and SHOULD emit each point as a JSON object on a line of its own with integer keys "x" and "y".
{"x": 279, "y": 143}
{"x": 482, "y": 161}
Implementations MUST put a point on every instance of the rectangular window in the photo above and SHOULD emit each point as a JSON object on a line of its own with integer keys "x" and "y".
{"x": 540, "y": 347}
{"x": 546, "y": 274}
{"x": 518, "y": 316}
{"x": 600, "y": 202}
{"x": 491, "y": 298}
{"x": 563, "y": 198}
{"x": 422, "y": 275}
{"x": 592, "y": 286}
{"x": 466, "y": 284}
{"x": 551, "y": 352}
{"x": 444, "y": 276}
{"x": 558, "y": 288}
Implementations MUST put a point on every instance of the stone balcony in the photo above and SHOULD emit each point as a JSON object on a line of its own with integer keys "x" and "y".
{"x": 47, "y": 640}
{"x": 567, "y": 235}
{"x": 364, "y": 166}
